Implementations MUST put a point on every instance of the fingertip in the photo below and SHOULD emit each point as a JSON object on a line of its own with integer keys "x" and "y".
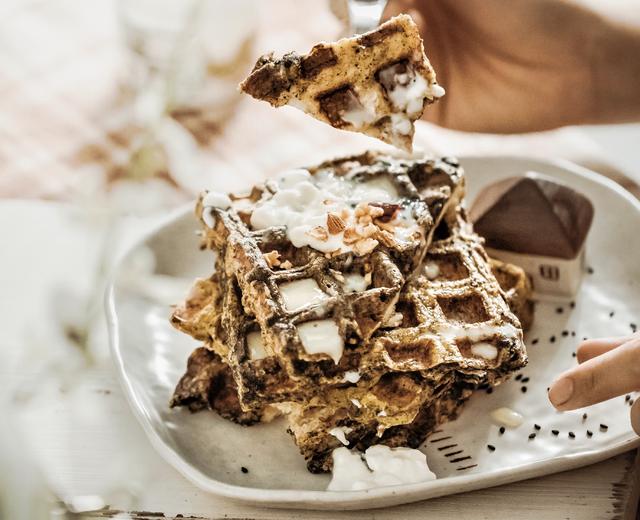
{"x": 561, "y": 392}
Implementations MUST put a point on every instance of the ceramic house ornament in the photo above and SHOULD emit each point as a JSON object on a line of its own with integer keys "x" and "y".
{"x": 539, "y": 224}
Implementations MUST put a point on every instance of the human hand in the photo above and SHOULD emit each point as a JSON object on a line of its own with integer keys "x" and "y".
{"x": 526, "y": 65}
{"x": 607, "y": 368}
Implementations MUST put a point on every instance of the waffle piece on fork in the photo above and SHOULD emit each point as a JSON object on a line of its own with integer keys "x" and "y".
{"x": 377, "y": 83}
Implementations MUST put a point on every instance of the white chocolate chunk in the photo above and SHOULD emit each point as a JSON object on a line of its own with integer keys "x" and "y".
{"x": 299, "y": 293}
{"x": 256, "y": 346}
{"x": 485, "y": 350}
{"x": 322, "y": 337}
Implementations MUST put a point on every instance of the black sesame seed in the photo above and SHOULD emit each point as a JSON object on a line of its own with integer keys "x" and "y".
{"x": 604, "y": 427}
{"x": 627, "y": 397}
{"x": 584, "y": 416}
{"x": 589, "y": 433}
{"x": 573, "y": 333}
{"x": 491, "y": 447}
{"x": 244, "y": 470}
{"x": 572, "y": 304}
{"x": 611, "y": 314}
{"x": 524, "y": 389}
{"x": 552, "y": 339}
{"x": 590, "y": 270}
{"x": 559, "y": 310}
{"x": 525, "y": 379}
{"x": 572, "y": 435}
{"x": 573, "y": 354}
{"x": 633, "y": 326}
{"x": 565, "y": 333}
{"x": 537, "y": 427}
{"x": 502, "y": 430}
{"x": 532, "y": 436}
{"x": 518, "y": 377}
{"x": 584, "y": 338}
{"x": 548, "y": 388}
{"x": 630, "y": 402}
{"x": 534, "y": 341}
{"x": 555, "y": 432}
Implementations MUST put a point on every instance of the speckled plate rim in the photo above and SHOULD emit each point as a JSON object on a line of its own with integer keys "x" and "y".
{"x": 372, "y": 498}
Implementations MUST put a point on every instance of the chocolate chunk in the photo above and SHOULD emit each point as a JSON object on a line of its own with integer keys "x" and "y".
{"x": 317, "y": 60}
{"x": 336, "y": 102}
{"x": 378, "y": 35}
{"x": 268, "y": 80}
{"x": 533, "y": 215}
{"x": 389, "y": 209}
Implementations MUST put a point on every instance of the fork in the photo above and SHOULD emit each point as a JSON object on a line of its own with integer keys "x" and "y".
{"x": 365, "y": 15}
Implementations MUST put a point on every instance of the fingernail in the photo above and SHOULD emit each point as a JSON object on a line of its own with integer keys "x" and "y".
{"x": 561, "y": 391}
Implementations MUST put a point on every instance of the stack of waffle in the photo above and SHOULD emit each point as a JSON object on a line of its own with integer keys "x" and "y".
{"x": 374, "y": 328}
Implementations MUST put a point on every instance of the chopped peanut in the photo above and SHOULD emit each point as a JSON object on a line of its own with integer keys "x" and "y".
{"x": 385, "y": 238}
{"x": 272, "y": 258}
{"x": 365, "y": 246}
{"x": 320, "y": 233}
{"x": 350, "y": 236}
{"x": 375, "y": 211}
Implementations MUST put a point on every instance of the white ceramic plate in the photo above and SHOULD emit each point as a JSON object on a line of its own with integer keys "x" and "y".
{"x": 210, "y": 451}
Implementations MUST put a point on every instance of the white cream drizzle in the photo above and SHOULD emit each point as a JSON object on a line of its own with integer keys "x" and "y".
{"x": 401, "y": 124}
{"x": 477, "y": 333}
{"x": 408, "y": 97}
{"x": 436, "y": 91}
{"x": 351, "y": 376}
{"x": 299, "y": 293}
{"x": 213, "y": 199}
{"x": 321, "y": 337}
{"x": 355, "y": 282}
{"x": 302, "y": 202}
{"x": 379, "y": 466}
{"x": 340, "y": 433}
{"x": 356, "y": 403}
